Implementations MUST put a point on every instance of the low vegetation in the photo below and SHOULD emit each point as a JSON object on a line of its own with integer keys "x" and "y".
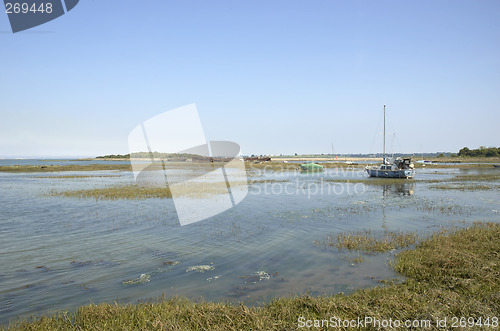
{"x": 372, "y": 181}
{"x": 489, "y": 177}
{"x": 139, "y": 192}
{"x": 77, "y": 176}
{"x": 463, "y": 187}
{"x": 449, "y": 275}
{"x": 469, "y": 182}
{"x": 368, "y": 243}
{"x": 57, "y": 168}
{"x": 476, "y": 164}
{"x": 133, "y": 192}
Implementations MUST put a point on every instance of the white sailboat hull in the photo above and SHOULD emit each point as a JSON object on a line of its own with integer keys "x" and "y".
{"x": 382, "y": 173}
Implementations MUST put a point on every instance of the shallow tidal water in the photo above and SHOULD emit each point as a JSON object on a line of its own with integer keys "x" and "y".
{"x": 57, "y": 253}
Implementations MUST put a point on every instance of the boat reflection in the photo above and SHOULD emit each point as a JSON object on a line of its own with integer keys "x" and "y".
{"x": 399, "y": 189}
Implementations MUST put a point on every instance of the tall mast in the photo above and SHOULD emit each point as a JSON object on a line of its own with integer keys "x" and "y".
{"x": 384, "y": 135}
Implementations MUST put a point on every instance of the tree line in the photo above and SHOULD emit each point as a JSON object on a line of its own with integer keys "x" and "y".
{"x": 481, "y": 151}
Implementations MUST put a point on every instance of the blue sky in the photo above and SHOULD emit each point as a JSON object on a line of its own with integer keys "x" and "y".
{"x": 274, "y": 76}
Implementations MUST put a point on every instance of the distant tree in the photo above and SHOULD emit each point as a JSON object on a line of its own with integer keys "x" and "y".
{"x": 482, "y": 151}
{"x": 491, "y": 152}
{"x": 464, "y": 152}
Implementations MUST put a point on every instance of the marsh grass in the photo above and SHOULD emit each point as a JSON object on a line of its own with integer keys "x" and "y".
{"x": 450, "y": 274}
{"x": 453, "y": 165}
{"x": 356, "y": 259}
{"x": 372, "y": 181}
{"x": 466, "y": 261}
{"x": 465, "y": 159}
{"x": 57, "y": 168}
{"x": 462, "y": 187}
{"x": 285, "y": 167}
{"x": 267, "y": 181}
{"x": 77, "y": 176}
{"x": 133, "y": 192}
{"x": 368, "y": 243}
{"x": 467, "y": 182}
{"x": 139, "y": 192}
{"x": 490, "y": 177}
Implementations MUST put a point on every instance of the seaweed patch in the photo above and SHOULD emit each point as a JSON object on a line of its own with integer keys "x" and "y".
{"x": 201, "y": 268}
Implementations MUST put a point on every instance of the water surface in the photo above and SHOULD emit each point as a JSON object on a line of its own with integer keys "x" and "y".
{"x": 57, "y": 253}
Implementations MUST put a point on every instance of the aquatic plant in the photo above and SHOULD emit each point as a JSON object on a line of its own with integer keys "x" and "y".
{"x": 355, "y": 259}
{"x": 139, "y": 192}
{"x": 268, "y": 181}
{"x": 143, "y": 278}
{"x": 368, "y": 243}
{"x": 451, "y": 165}
{"x": 462, "y": 187}
{"x": 118, "y": 192}
{"x": 146, "y": 277}
{"x": 443, "y": 207}
{"x": 201, "y": 268}
{"x": 480, "y": 177}
{"x": 372, "y": 181}
{"x": 258, "y": 276}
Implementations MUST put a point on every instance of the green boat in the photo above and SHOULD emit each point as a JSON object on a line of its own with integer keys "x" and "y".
{"x": 311, "y": 167}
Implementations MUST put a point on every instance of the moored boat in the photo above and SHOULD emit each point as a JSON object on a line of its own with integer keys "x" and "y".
{"x": 393, "y": 168}
{"x": 400, "y": 167}
{"x": 311, "y": 167}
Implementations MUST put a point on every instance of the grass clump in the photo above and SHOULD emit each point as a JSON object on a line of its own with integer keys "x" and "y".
{"x": 478, "y": 177}
{"x": 373, "y": 181}
{"x": 367, "y": 243}
{"x": 467, "y": 261}
{"x": 454, "y": 274}
{"x": 462, "y": 187}
{"x": 195, "y": 190}
{"x": 357, "y": 260}
{"x": 133, "y": 192}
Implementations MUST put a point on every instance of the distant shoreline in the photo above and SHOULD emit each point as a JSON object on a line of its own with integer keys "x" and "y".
{"x": 341, "y": 159}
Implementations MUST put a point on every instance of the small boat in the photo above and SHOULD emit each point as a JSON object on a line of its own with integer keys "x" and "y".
{"x": 311, "y": 167}
{"x": 392, "y": 167}
{"x": 496, "y": 165}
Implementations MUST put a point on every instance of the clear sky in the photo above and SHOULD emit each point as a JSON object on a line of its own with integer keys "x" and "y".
{"x": 275, "y": 76}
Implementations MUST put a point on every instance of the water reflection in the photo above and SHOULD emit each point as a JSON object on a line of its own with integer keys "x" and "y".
{"x": 399, "y": 189}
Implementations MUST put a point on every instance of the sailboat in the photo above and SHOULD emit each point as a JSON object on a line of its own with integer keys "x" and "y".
{"x": 400, "y": 167}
